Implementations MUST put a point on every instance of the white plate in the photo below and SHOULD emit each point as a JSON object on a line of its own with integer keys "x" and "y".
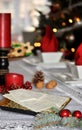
{"x": 52, "y": 65}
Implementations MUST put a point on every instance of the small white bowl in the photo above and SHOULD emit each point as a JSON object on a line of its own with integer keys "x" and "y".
{"x": 52, "y": 57}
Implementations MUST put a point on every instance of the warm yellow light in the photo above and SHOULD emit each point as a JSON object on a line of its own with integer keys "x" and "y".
{"x": 70, "y": 21}
{"x": 54, "y": 29}
{"x": 72, "y": 49}
{"x": 37, "y": 44}
{"x": 77, "y": 19}
{"x": 63, "y": 24}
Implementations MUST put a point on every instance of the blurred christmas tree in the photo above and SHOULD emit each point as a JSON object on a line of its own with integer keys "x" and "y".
{"x": 62, "y": 14}
{"x": 64, "y": 17}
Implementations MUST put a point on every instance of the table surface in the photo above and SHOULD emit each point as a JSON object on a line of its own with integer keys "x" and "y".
{"x": 17, "y": 121}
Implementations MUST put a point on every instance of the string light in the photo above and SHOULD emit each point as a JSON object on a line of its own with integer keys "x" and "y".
{"x": 72, "y": 49}
{"x": 55, "y": 30}
{"x": 37, "y": 44}
{"x": 70, "y": 20}
{"x": 77, "y": 19}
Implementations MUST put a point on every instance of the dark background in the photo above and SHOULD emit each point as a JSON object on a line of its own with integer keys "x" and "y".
{"x": 62, "y": 11}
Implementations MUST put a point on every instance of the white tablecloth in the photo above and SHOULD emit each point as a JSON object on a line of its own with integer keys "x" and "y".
{"x": 16, "y": 121}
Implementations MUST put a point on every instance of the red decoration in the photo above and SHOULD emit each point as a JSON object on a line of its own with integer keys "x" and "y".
{"x": 78, "y": 55}
{"x": 30, "y": 87}
{"x": 65, "y": 113}
{"x": 13, "y": 79}
{"x": 5, "y": 30}
{"x": 27, "y": 85}
{"x": 49, "y": 42}
{"x": 77, "y": 114}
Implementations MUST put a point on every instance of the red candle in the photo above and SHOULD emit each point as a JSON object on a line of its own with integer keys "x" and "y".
{"x": 5, "y": 30}
{"x": 13, "y": 80}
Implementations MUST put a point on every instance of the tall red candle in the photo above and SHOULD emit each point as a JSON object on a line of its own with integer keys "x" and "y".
{"x": 5, "y": 30}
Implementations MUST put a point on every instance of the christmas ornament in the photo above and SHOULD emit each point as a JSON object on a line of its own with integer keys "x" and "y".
{"x": 30, "y": 87}
{"x": 50, "y": 120}
{"x": 27, "y": 85}
{"x": 77, "y": 114}
{"x": 65, "y": 113}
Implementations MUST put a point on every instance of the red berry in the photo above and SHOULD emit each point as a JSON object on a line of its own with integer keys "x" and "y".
{"x": 30, "y": 87}
{"x": 28, "y": 83}
{"x": 77, "y": 114}
{"x": 65, "y": 113}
